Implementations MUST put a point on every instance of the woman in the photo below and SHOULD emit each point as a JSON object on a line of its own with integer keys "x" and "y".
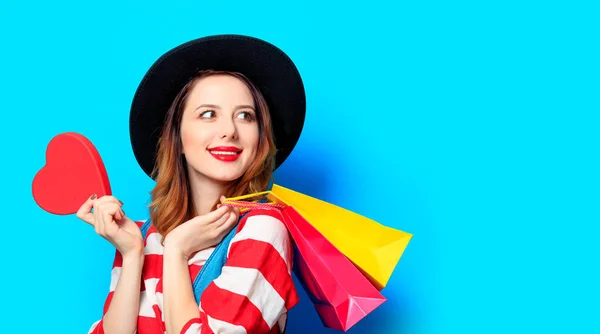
{"x": 204, "y": 123}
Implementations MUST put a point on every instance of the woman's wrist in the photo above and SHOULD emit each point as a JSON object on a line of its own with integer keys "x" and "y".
{"x": 134, "y": 257}
{"x": 173, "y": 251}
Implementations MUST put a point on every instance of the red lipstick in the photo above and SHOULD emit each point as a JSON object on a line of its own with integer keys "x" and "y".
{"x": 225, "y": 153}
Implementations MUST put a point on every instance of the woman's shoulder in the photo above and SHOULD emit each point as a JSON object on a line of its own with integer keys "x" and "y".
{"x": 266, "y": 222}
{"x": 262, "y": 229}
{"x": 262, "y": 238}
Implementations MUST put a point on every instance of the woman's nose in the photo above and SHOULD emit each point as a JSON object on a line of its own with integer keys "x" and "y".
{"x": 228, "y": 129}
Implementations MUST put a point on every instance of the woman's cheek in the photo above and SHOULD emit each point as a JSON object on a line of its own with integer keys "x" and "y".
{"x": 188, "y": 139}
{"x": 184, "y": 139}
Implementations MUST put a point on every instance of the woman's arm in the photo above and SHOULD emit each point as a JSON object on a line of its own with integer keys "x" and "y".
{"x": 122, "y": 303}
{"x": 179, "y": 301}
{"x": 121, "y": 308}
{"x": 254, "y": 291}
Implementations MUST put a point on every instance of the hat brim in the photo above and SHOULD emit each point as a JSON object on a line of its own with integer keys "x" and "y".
{"x": 268, "y": 67}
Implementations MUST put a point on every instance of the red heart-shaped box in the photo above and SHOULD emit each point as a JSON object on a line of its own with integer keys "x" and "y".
{"x": 73, "y": 172}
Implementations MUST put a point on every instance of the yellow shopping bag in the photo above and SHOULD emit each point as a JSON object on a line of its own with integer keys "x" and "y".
{"x": 373, "y": 248}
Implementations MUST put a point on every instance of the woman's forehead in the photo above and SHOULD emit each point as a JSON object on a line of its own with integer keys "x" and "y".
{"x": 221, "y": 90}
{"x": 221, "y": 86}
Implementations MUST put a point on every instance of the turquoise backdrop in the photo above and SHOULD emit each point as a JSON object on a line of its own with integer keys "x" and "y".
{"x": 472, "y": 124}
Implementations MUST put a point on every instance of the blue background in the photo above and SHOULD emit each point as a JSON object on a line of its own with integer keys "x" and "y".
{"x": 473, "y": 125}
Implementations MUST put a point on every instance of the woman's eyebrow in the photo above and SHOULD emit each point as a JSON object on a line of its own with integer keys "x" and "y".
{"x": 244, "y": 106}
{"x": 214, "y": 106}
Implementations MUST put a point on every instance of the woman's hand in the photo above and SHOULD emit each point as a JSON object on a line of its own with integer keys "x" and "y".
{"x": 201, "y": 232}
{"x": 180, "y": 244}
{"x": 110, "y": 222}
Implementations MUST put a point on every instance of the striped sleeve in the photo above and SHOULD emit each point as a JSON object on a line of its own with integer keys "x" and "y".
{"x": 255, "y": 289}
{"x": 97, "y": 327}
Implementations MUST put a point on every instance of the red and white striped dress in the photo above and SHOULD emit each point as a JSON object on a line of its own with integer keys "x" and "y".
{"x": 252, "y": 295}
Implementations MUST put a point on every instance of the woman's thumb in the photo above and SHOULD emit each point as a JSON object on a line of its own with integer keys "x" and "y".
{"x": 84, "y": 212}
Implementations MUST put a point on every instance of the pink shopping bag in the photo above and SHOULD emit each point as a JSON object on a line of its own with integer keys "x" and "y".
{"x": 340, "y": 293}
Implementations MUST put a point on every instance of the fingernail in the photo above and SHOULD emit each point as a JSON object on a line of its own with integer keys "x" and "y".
{"x": 93, "y": 196}
{"x": 120, "y": 202}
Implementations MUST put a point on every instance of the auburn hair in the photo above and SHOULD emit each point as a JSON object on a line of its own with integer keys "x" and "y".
{"x": 171, "y": 203}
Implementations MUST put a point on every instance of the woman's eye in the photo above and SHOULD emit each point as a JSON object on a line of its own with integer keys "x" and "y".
{"x": 207, "y": 114}
{"x": 246, "y": 115}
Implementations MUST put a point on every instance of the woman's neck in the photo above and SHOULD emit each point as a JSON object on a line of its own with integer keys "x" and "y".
{"x": 205, "y": 192}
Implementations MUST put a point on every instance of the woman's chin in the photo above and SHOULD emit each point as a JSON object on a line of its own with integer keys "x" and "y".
{"x": 224, "y": 176}
{"x": 218, "y": 172}
{"x": 226, "y": 179}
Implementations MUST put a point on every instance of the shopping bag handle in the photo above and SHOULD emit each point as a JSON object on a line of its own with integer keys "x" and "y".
{"x": 243, "y": 204}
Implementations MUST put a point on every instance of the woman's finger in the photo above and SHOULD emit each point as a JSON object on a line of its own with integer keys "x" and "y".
{"x": 108, "y": 221}
{"x": 102, "y": 217}
{"x": 84, "y": 213}
{"x": 232, "y": 219}
{"x": 97, "y": 219}
{"x": 222, "y": 219}
{"x": 110, "y": 199}
{"x": 212, "y": 216}
{"x": 105, "y": 212}
{"x": 119, "y": 214}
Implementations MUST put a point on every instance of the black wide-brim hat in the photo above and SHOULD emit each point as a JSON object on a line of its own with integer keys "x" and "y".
{"x": 268, "y": 67}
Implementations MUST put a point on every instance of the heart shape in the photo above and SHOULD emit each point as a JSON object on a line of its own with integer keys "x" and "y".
{"x": 73, "y": 172}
